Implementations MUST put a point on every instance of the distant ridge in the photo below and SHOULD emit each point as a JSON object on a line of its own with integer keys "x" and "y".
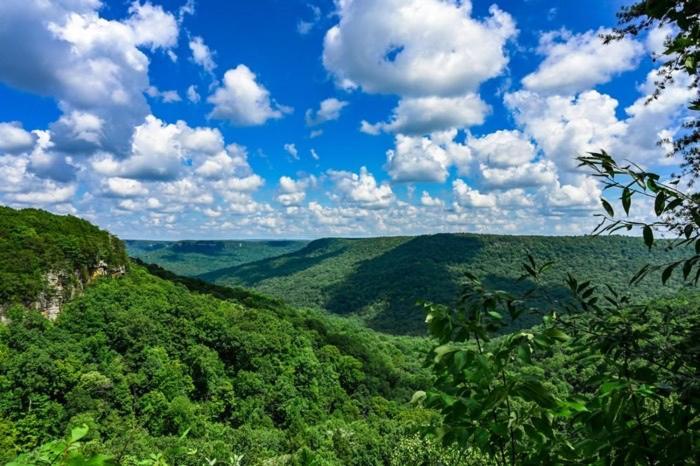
{"x": 381, "y": 279}
{"x": 194, "y": 257}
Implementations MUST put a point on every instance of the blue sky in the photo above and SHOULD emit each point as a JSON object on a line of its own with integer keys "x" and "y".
{"x": 285, "y": 118}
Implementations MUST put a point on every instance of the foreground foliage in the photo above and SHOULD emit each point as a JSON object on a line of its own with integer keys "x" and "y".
{"x": 603, "y": 380}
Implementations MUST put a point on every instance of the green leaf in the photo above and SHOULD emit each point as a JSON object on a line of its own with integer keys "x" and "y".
{"x": 495, "y": 315}
{"x": 648, "y": 236}
{"x": 608, "y": 208}
{"x": 660, "y": 203}
{"x": 626, "y": 200}
{"x": 418, "y": 397}
{"x": 532, "y": 390}
{"x": 78, "y": 432}
{"x": 668, "y": 271}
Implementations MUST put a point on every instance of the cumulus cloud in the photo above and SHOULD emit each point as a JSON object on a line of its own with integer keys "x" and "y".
{"x": 362, "y": 189}
{"x": 225, "y": 163}
{"x": 89, "y": 64}
{"x": 329, "y": 110}
{"x": 503, "y": 148}
{"x": 242, "y": 101}
{"x": 578, "y": 62}
{"x": 564, "y": 127}
{"x": 467, "y": 196}
{"x": 416, "y": 47}
{"x": 424, "y": 115}
{"x": 293, "y": 192}
{"x": 159, "y": 150}
{"x": 418, "y": 158}
{"x": 123, "y": 187}
{"x": 428, "y": 201}
{"x": 14, "y": 139}
{"x": 202, "y": 54}
{"x": 527, "y": 174}
{"x": 50, "y": 194}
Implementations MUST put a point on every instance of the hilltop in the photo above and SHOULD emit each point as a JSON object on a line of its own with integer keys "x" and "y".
{"x": 381, "y": 279}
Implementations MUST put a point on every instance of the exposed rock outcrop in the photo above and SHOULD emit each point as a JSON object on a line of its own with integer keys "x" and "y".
{"x": 62, "y": 286}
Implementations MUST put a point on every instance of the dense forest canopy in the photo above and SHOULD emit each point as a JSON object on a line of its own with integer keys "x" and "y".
{"x": 382, "y": 279}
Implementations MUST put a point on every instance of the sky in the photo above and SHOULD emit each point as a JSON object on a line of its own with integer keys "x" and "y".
{"x": 205, "y": 119}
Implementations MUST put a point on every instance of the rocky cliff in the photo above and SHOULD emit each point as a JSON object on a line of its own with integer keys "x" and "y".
{"x": 46, "y": 259}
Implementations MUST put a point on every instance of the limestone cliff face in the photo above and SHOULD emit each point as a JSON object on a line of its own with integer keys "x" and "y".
{"x": 62, "y": 286}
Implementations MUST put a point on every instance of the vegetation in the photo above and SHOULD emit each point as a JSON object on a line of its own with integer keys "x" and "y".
{"x": 192, "y": 258}
{"x": 159, "y": 373}
{"x": 681, "y": 56}
{"x": 34, "y": 242}
{"x": 602, "y": 381}
{"x": 382, "y": 279}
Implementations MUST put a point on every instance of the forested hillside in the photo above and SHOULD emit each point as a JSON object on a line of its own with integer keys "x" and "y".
{"x": 382, "y": 279}
{"x": 197, "y": 257}
{"x": 43, "y": 256}
{"x": 151, "y": 366}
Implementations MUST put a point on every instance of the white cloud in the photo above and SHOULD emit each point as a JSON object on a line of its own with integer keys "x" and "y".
{"x": 502, "y": 148}
{"x": 314, "y": 154}
{"x": 231, "y": 162}
{"x": 652, "y": 120}
{"x": 244, "y": 102}
{"x": 564, "y": 127}
{"x": 192, "y": 94}
{"x": 88, "y": 63}
{"x": 578, "y": 62}
{"x": 362, "y": 189}
{"x": 14, "y": 139}
{"x": 428, "y": 201}
{"x": 293, "y": 192}
{"x": 291, "y": 149}
{"x": 123, "y": 187}
{"x": 416, "y": 47}
{"x": 424, "y": 115}
{"x": 167, "y": 97}
{"x": 470, "y": 197}
{"x": 152, "y": 26}
{"x": 585, "y": 195}
{"x": 159, "y": 150}
{"x": 51, "y": 194}
{"x": 328, "y": 110}
{"x": 427, "y": 158}
{"x": 526, "y": 174}
{"x": 202, "y": 55}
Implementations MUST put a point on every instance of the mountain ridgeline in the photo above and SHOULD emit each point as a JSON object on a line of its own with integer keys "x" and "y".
{"x": 381, "y": 280}
{"x": 191, "y": 258}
